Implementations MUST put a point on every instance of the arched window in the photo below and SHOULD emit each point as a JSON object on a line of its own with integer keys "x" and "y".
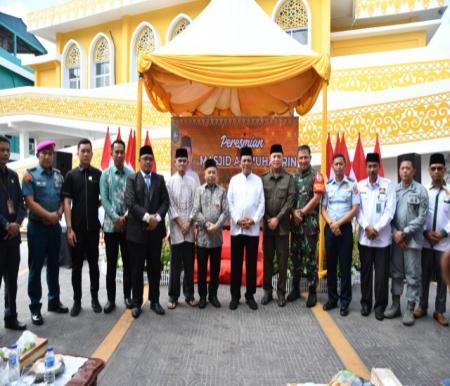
{"x": 294, "y": 17}
{"x": 72, "y": 66}
{"x": 101, "y": 55}
{"x": 178, "y": 25}
{"x": 145, "y": 38}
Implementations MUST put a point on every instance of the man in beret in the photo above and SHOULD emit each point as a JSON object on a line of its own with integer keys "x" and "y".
{"x": 210, "y": 213}
{"x": 246, "y": 202}
{"x": 12, "y": 213}
{"x": 181, "y": 188}
{"x": 41, "y": 188}
{"x": 374, "y": 236}
{"x": 437, "y": 240}
{"x": 279, "y": 192}
{"x": 407, "y": 233}
{"x": 147, "y": 202}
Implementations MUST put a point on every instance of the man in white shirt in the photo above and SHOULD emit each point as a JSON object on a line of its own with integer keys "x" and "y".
{"x": 437, "y": 240}
{"x": 374, "y": 236}
{"x": 181, "y": 188}
{"x": 246, "y": 205}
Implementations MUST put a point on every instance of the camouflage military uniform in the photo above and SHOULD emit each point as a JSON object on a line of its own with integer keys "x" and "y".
{"x": 304, "y": 237}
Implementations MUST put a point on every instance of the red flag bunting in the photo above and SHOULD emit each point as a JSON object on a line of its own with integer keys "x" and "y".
{"x": 106, "y": 156}
{"x": 359, "y": 161}
{"x": 378, "y": 151}
{"x": 119, "y": 137}
{"x": 337, "y": 146}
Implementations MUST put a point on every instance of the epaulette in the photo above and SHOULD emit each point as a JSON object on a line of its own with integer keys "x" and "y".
{"x": 28, "y": 176}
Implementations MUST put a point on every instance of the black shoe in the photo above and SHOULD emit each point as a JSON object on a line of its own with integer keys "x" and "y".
{"x": 312, "y": 299}
{"x": 214, "y": 301}
{"x": 157, "y": 308}
{"x": 329, "y": 306}
{"x": 267, "y": 298}
{"x": 293, "y": 295}
{"x": 281, "y": 301}
{"x": 234, "y": 304}
{"x": 14, "y": 324}
{"x": 344, "y": 311}
{"x": 96, "y": 307}
{"x": 136, "y": 312}
{"x": 36, "y": 318}
{"x": 59, "y": 308}
{"x": 202, "y": 303}
{"x": 76, "y": 309}
{"x": 365, "y": 310}
{"x": 379, "y": 315}
{"x": 251, "y": 303}
{"x": 128, "y": 303}
{"x": 109, "y": 307}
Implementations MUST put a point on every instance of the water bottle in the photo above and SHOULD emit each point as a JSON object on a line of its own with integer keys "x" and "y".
{"x": 13, "y": 364}
{"x": 49, "y": 361}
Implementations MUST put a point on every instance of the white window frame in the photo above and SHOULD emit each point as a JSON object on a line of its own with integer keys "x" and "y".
{"x": 174, "y": 22}
{"x": 133, "y": 58}
{"x": 65, "y": 71}
{"x": 280, "y": 3}
{"x": 92, "y": 74}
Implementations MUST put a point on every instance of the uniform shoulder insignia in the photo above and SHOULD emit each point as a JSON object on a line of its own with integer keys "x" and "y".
{"x": 28, "y": 176}
{"x": 318, "y": 183}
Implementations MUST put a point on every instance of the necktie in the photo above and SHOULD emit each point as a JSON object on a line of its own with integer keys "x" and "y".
{"x": 147, "y": 181}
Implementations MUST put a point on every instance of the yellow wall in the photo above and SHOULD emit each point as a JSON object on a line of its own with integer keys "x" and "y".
{"x": 48, "y": 74}
{"x": 378, "y": 43}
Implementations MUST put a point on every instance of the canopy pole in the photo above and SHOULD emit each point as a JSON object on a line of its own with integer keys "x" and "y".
{"x": 323, "y": 169}
{"x": 138, "y": 120}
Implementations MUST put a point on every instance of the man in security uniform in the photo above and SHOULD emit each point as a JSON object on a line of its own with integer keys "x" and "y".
{"x": 279, "y": 194}
{"x": 12, "y": 213}
{"x": 407, "y": 233}
{"x": 41, "y": 188}
{"x": 309, "y": 187}
{"x": 437, "y": 240}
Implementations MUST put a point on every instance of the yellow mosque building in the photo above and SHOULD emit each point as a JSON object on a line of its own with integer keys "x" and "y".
{"x": 390, "y": 62}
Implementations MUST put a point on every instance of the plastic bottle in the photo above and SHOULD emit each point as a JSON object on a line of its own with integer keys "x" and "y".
{"x": 13, "y": 365}
{"x": 49, "y": 361}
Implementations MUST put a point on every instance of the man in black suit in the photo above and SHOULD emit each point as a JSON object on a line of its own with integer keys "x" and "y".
{"x": 147, "y": 201}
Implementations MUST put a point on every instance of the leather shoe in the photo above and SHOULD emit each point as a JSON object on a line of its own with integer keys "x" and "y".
{"x": 251, "y": 303}
{"x": 379, "y": 315}
{"x": 312, "y": 299}
{"x": 59, "y": 308}
{"x": 234, "y": 304}
{"x": 109, "y": 307}
{"x": 214, "y": 301}
{"x": 128, "y": 303}
{"x": 136, "y": 312}
{"x": 76, "y": 309}
{"x": 96, "y": 307}
{"x": 344, "y": 311}
{"x": 157, "y": 308}
{"x": 14, "y": 324}
{"x": 267, "y": 298}
{"x": 329, "y": 306}
{"x": 293, "y": 295}
{"x": 281, "y": 301}
{"x": 365, "y": 310}
{"x": 441, "y": 319}
{"x": 36, "y": 318}
{"x": 420, "y": 313}
{"x": 202, "y": 303}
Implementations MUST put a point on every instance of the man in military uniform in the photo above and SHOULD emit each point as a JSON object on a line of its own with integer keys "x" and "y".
{"x": 339, "y": 205}
{"x": 407, "y": 232}
{"x": 309, "y": 187}
{"x": 42, "y": 191}
{"x": 12, "y": 213}
{"x": 437, "y": 240}
{"x": 279, "y": 194}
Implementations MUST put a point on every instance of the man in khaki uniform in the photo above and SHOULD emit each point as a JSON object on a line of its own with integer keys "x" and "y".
{"x": 279, "y": 192}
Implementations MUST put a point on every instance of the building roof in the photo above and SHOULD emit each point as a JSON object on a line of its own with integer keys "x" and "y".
{"x": 27, "y": 43}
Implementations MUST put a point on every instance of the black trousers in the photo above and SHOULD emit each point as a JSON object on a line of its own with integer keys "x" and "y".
{"x": 86, "y": 247}
{"x": 280, "y": 244}
{"x": 9, "y": 269}
{"x": 181, "y": 257}
{"x": 214, "y": 255}
{"x": 339, "y": 248}
{"x": 374, "y": 259}
{"x": 146, "y": 254}
{"x": 113, "y": 241}
{"x": 431, "y": 263}
{"x": 238, "y": 245}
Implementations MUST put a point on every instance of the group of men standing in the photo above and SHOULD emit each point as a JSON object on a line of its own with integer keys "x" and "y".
{"x": 402, "y": 231}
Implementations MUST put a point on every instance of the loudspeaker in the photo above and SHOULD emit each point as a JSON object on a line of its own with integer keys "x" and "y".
{"x": 62, "y": 162}
{"x": 416, "y": 162}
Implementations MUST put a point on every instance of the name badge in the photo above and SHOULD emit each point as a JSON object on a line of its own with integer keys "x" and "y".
{"x": 11, "y": 207}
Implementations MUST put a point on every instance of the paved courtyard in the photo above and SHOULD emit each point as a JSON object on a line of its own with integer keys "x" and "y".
{"x": 271, "y": 346}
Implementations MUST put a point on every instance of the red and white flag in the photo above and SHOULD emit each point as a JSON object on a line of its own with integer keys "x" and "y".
{"x": 378, "y": 151}
{"x": 147, "y": 142}
{"x": 106, "y": 155}
{"x": 329, "y": 156}
{"x": 359, "y": 161}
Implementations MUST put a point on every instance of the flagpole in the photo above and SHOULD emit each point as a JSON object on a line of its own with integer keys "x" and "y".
{"x": 138, "y": 121}
{"x": 323, "y": 169}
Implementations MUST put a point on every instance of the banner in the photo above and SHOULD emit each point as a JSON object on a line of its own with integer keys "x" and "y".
{"x": 221, "y": 138}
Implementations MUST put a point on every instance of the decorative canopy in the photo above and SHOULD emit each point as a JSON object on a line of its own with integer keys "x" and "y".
{"x": 233, "y": 60}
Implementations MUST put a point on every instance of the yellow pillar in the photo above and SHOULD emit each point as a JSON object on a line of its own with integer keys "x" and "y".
{"x": 138, "y": 120}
